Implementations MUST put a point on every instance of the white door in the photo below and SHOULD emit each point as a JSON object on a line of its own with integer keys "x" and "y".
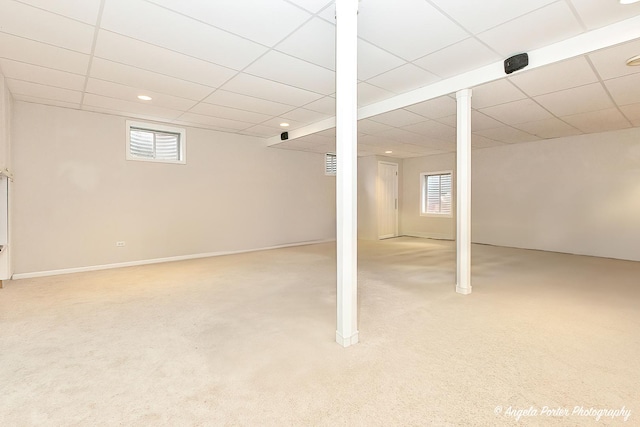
{"x": 387, "y": 186}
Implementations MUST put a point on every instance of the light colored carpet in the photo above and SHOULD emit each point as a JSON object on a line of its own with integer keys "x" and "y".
{"x": 249, "y": 340}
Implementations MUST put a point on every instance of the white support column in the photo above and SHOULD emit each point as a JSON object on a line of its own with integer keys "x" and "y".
{"x": 463, "y": 186}
{"x": 346, "y": 180}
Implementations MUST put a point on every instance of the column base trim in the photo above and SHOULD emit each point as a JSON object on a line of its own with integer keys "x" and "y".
{"x": 346, "y": 342}
{"x": 463, "y": 291}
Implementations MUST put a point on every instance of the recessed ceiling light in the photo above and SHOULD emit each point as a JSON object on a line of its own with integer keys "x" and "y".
{"x": 144, "y": 97}
{"x": 284, "y": 125}
{"x": 633, "y": 61}
{"x": 388, "y": 152}
{"x": 628, "y": 1}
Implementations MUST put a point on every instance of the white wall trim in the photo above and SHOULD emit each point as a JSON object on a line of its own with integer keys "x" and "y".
{"x": 428, "y": 235}
{"x": 158, "y": 260}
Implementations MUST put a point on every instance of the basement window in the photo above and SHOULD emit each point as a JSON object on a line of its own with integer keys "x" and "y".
{"x": 151, "y": 142}
{"x": 330, "y": 164}
{"x": 435, "y": 190}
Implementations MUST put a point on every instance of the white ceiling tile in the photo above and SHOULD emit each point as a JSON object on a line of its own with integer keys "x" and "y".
{"x": 147, "y": 80}
{"x": 403, "y": 136}
{"x": 598, "y": 121}
{"x": 632, "y": 112}
{"x": 125, "y": 50}
{"x": 328, "y": 13}
{"x": 506, "y": 134}
{"x": 265, "y": 22}
{"x": 611, "y": 62}
{"x": 304, "y": 116}
{"x": 42, "y": 75}
{"x": 261, "y": 131}
{"x": 102, "y": 104}
{"x": 596, "y": 14}
{"x": 229, "y": 113}
{"x": 451, "y": 120}
{"x": 406, "y": 27}
{"x": 248, "y": 103}
{"x": 128, "y": 93}
{"x": 368, "y": 94}
{"x": 433, "y": 129}
{"x": 435, "y": 143}
{"x": 81, "y": 10}
{"x": 403, "y": 79}
{"x": 478, "y": 142}
{"x": 463, "y": 56}
{"x": 373, "y": 61}
{"x": 20, "y": 87}
{"x": 36, "y": 100}
{"x": 371, "y": 127}
{"x": 32, "y": 52}
{"x": 494, "y": 93}
{"x": 36, "y": 24}
{"x": 374, "y": 141}
{"x": 480, "y": 121}
{"x": 223, "y": 124}
{"x": 521, "y": 111}
{"x": 314, "y": 6}
{"x": 577, "y": 100}
{"x": 291, "y": 71}
{"x": 398, "y": 118}
{"x": 326, "y": 105}
{"x": 196, "y": 38}
{"x": 559, "y": 76}
{"x": 625, "y": 90}
{"x": 549, "y": 128}
{"x": 435, "y": 108}
{"x": 480, "y": 16}
{"x": 314, "y": 42}
{"x": 542, "y": 27}
{"x": 266, "y": 89}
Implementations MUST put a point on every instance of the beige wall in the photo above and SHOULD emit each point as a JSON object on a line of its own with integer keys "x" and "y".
{"x": 577, "y": 195}
{"x": 412, "y": 223}
{"x": 76, "y": 195}
{"x": 367, "y": 195}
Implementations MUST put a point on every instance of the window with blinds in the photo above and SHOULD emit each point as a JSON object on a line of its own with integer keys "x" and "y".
{"x": 436, "y": 193}
{"x": 330, "y": 164}
{"x": 155, "y": 143}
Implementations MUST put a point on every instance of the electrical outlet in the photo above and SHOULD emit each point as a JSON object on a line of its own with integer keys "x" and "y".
{"x": 120, "y": 244}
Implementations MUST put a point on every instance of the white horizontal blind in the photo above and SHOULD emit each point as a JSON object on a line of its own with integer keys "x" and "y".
{"x": 150, "y": 144}
{"x": 330, "y": 164}
{"x": 437, "y": 197}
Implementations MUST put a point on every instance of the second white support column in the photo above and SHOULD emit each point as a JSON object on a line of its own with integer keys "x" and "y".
{"x": 463, "y": 187}
{"x": 347, "y": 174}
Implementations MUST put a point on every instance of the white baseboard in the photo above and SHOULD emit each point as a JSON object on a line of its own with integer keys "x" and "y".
{"x": 18, "y": 276}
{"x": 423, "y": 235}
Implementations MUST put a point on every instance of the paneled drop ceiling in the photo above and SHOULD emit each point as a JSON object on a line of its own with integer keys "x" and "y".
{"x": 245, "y": 66}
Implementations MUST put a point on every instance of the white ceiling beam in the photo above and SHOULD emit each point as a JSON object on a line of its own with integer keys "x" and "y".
{"x": 582, "y": 44}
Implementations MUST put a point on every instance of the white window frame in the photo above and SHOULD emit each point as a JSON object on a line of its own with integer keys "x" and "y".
{"x": 158, "y": 128}
{"x": 325, "y": 164}
{"x": 423, "y": 182}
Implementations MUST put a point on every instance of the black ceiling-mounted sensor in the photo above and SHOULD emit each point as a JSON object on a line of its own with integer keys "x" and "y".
{"x": 516, "y": 62}
{"x": 284, "y": 136}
